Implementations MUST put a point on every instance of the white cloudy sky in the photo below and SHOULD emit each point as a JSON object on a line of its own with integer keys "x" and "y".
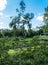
{"x": 8, "y": 7}
{"x": 3, "y": 4}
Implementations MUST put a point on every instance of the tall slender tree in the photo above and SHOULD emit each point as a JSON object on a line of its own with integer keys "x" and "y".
{"x": 46, "y": 20}
{"x": 13, "y": 24}
{"x": 22, "y": 17}
{"x": 46, "y": 16}
{"x": 22, "y": 10}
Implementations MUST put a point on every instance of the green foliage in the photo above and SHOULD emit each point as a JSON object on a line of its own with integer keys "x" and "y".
{"x": 27, "y": 51}
{"x": 35, "y": 40}
{"x": 1, "y": 35}
{"x": 7, "y": 32}
{"x": 46, "y": 20}
{"x": 28, "y": 56}
{"x": 45, "y": 29}
{"x": 15, "y": 46}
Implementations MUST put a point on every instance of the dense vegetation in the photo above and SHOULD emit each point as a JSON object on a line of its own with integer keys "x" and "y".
{"x": 30, "y": 51}
{"x": 19, "y": 46}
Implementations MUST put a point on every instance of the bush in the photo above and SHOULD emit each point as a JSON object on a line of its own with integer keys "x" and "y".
{"x": 28, "y": 56}
{"x": 35, "y": 40}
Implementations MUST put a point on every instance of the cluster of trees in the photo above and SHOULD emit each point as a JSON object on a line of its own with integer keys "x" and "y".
{"x": 6, "y": 32}
{"x": 19, "y": 23}
{"x": 19, "y": 32}
{"x": 23, "y": 19}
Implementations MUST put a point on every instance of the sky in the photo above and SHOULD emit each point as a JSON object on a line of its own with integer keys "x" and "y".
{"x": 8, "y": 8}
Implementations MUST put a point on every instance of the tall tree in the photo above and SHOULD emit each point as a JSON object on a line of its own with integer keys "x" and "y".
{"x": 17, "y": 20}
{"x": 22, "y": 17}
{"x": 22, "y": 10}
{"x": 13, "y": 24}
{"x": 46, "y": 20}
{"x": 46, "y": 16}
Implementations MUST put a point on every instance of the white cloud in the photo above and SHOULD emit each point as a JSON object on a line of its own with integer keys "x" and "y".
{"x": 2, "y": 15}
{"x": 35, "y": 29}
{"x": 39, "y": 18}
{"x": 3, "y": 4}
{"x": 2, "y": 26}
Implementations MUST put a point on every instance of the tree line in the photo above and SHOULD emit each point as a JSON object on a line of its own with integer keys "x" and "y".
{"x": 18, "y": 23}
